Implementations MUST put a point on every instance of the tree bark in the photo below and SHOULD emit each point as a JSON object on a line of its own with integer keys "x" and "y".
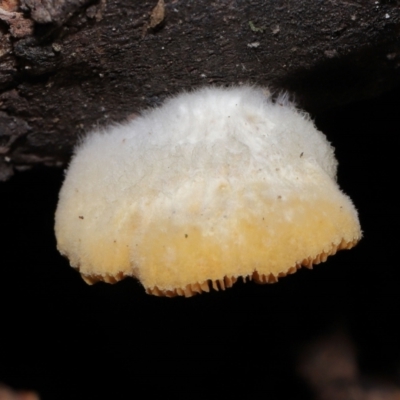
{"x": 67, "y": 66}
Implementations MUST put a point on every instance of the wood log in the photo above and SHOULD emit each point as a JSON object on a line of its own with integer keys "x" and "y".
{"x": 67, "y": 66}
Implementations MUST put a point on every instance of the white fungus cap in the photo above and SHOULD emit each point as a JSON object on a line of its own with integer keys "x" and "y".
{"x": 213, "y": 185}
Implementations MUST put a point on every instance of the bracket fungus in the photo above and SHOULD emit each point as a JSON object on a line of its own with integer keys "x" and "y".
{"x": 215, "y": 184}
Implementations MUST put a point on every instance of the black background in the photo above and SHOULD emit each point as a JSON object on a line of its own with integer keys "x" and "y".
{"x": 68, "y": 340}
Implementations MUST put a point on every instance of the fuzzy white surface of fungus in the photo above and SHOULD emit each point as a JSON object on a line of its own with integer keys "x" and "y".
{"x": 215, "y": 184}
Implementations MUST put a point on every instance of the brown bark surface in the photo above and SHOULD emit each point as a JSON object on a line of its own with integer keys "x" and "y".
{"x": 67, "y": 66}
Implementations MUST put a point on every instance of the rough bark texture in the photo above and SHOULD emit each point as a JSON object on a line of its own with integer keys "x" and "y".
{"x": 69, "y": 65}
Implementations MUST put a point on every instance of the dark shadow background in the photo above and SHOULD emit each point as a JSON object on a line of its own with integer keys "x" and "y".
{"x": 68, "y": 340}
